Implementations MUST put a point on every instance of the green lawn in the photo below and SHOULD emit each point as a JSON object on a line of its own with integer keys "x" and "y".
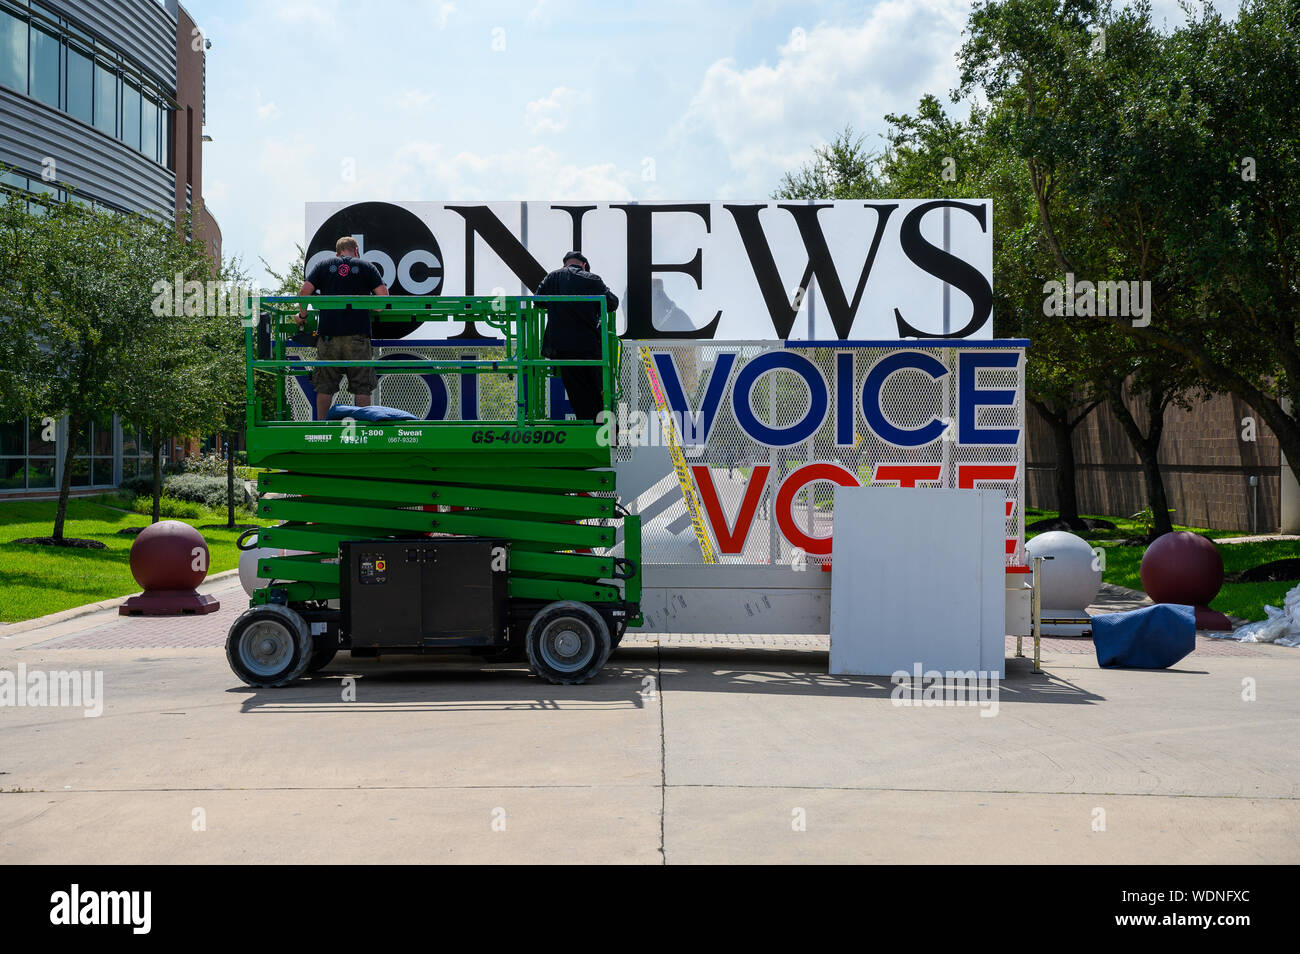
{"x": 35, "y": 580}
{"x": 1244, "y": 600}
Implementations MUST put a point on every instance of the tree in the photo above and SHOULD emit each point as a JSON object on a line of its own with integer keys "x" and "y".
{"x": 78, "y": 286}
{"x": 188, "y": 377}
{"x": 840, "y": 169}
{"x": 1083, "y": 96}
{"x": 1139, "y": 384}
{"x": 931, "y": 155}
{"x": 189, "y": 348}
{"x": 290, "y": 280}
{"x": 1160, "y": 139}
{"x": 1233, "y": 227}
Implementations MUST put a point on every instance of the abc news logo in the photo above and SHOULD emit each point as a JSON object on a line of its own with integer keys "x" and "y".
{"x": 400, "y": 246}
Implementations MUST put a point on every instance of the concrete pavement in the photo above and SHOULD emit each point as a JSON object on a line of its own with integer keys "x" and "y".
{"x": 698, "y": 749}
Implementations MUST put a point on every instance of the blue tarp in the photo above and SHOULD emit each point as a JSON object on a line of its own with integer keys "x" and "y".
{"x": 373, "y": 412}
{"x": 1153, "y": 637}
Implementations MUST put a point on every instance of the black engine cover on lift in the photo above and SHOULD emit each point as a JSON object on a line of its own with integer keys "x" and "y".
{"x": 425, "y": 593}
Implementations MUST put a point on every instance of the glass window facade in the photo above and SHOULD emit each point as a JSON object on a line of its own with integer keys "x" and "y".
{"x": 105, "y": 99}
{"x": 12, "y": 439}
{"x": 67, "y": 69}
{"x": 137, "y": 451}
{"x": 13, "y": 51}
{"x": 80, "y": 85}
{"x": 27, "y": 459}
{"x": 94, "y": 469}
{"x": 30, "y": 455}
{"x": 43, "y": 69}
{"x": 150, "y": 134}
{"x": 34, "y": 186}
{"x": 131, "y": 116}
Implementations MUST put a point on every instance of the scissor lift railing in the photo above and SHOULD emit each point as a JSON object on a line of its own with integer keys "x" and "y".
{"x": 534, "y": 482}
{"x": 519, "y": 321}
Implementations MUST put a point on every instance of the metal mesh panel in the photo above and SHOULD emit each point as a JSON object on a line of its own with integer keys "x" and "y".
{"x": 421, "y": 394}
{"x": 909, "y": 399}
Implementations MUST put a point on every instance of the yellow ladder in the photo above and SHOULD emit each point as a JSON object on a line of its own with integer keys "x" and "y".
{"x": 679, "y": 459}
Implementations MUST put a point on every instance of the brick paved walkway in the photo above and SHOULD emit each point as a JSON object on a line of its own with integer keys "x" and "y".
{"x": 158, "y": 632}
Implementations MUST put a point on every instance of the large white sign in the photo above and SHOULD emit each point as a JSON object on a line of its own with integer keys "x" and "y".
{"x": 843, "y": 270}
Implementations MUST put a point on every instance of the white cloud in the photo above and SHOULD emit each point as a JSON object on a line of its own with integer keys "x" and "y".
{"x": 551, "y": 113}
{"x": 426, "y": 169}
{"x": 414, "y": 100}
{"x": 265, "y": 109}
{"x": 306, "y": 14}
{"x": 766, "y": 118}
{"x": 215, "y": 192}
{"x": 443, "y": 12}
{"x": 295, "y": 168}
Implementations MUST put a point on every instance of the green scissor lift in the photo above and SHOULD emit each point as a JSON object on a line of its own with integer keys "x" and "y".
{"x": 435, "y": 536}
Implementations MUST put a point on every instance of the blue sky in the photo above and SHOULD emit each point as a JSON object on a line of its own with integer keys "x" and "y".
{"x": 543, "y": 99}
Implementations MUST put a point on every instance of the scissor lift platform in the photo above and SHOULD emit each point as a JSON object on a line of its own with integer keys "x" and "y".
{"x": 531, "y": 498}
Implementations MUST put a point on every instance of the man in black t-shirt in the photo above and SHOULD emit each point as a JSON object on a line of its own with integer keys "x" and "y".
{"x": 343, "y": 334}
{"x": 573, "y": 331}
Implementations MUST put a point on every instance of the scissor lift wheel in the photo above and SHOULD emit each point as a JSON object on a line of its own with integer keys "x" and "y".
{"x": 269, "y": 646}
{"x": 568, "y": 642}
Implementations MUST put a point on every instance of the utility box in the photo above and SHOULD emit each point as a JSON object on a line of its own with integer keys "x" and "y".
{"x": 424, "y": 592}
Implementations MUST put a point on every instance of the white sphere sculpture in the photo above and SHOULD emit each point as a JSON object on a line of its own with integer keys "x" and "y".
{"x": 248, "y": 577}
{"x": 1070, "y": 580}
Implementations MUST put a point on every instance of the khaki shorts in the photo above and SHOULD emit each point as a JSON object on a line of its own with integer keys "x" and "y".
{"x": 344, "y": 348}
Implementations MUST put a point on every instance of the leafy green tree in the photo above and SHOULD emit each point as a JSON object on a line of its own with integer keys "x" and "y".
{"x": 931, "y": 155}
{"x": 841, "y": 169}
{"x": 188, "y": 377}
{"x": 1182, "y": 150}
{"x": 1234, "y": 213}
{"x": 1083, "y": 95}
{"x": 77, "y": 292}
{"x": 290, "y": 280}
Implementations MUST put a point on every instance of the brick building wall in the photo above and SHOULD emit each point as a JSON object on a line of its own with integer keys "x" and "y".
{"x": 1206, "y": 465}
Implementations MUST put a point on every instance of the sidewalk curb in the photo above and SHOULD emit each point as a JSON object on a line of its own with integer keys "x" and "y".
{"x": 23, "y": 626}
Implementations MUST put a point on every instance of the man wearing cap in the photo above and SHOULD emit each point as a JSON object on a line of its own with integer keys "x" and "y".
{"x": 573, "y": 331}
{"x": 343, "y": 333}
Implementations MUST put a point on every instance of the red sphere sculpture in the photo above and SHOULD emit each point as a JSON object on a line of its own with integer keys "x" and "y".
{"x": 1184, "y": 567}
{"x": 169, "y": 559}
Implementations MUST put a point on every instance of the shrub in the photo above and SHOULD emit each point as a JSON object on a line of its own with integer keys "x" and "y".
{"x": 169, "y": 508}
{"x": 210, "y": 491}
{"x": 208, "y": 465}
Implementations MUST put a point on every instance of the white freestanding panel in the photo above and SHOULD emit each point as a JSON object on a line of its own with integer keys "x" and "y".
{"x": 918, "y": 577}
